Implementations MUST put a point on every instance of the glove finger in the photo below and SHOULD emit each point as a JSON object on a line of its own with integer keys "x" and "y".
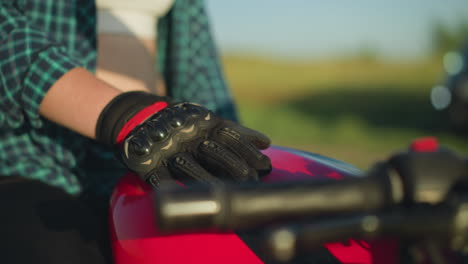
{"x": 233, "y": 140}
{"x": 185, "y": 168}
{"x": 223, "y": 162}
{"x": 260, "y": 140}
{"x": 160, "y": 177}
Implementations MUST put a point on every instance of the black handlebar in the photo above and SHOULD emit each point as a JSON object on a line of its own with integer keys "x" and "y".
{"x": 411, "y": 195}
{"x": 246, "y": 206}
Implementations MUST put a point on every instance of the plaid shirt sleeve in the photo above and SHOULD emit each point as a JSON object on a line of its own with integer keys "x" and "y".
{"x": 30, "y": 63}
{"x": 188, "y": 59}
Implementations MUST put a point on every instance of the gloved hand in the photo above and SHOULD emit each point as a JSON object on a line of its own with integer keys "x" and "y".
{"x": 162, "y": 141}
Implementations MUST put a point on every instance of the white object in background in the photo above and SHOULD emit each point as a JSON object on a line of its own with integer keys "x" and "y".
{"x": 453, "y": 62}
{"x": 136, "y": 17}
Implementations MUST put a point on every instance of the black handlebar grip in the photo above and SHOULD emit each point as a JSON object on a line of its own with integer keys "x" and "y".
{"x": 246, "y": 206}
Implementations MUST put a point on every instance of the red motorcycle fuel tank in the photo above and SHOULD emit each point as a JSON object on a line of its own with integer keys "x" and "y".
{"x": 135, "y": 238}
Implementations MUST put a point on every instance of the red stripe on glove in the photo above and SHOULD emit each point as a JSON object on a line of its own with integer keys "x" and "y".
{"x": 137, "y": 119}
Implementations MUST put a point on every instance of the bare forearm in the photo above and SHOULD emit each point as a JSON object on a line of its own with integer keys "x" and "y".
{"x": 76, "y": 100}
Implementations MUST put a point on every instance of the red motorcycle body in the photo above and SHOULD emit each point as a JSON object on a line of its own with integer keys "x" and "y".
{"x": 136, "y": 239}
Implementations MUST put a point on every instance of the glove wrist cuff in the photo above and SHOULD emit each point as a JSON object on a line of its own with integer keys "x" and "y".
{"x": 123, "y": 113}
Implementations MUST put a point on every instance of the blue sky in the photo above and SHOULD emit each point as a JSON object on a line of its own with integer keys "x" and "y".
{"x": 310, "y": 28}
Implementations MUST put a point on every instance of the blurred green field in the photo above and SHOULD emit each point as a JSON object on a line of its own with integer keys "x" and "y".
{"x": 354, "y": 110}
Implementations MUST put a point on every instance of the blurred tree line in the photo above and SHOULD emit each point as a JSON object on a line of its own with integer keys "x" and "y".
{"x": 446, "y": 38}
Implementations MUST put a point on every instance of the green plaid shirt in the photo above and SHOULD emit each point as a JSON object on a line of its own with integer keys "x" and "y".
{"x": 40, "y": 40}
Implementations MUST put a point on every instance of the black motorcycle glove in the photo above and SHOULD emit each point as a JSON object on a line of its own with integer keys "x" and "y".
{"x": 162, "y": 141}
